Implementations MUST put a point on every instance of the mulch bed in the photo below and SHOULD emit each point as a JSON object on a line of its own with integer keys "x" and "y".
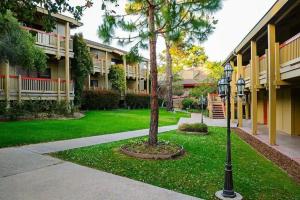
{"x": 283, "y": 161}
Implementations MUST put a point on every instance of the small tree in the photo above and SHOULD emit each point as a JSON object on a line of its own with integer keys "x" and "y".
{"x": 82, "y": 65}
{"x": 116, "y": 76}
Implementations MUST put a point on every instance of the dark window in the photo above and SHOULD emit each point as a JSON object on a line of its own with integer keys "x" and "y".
{"x": 45, "y": 74}
{"x": 94, "y": 83}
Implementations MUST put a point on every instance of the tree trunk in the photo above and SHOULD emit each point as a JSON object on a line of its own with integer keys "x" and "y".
{"x": 153, "y": 69}
{"x": 169, "y": 77}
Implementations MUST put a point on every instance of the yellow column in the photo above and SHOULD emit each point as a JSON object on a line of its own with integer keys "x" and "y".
{"x": 271, "y": 84}
{"x": 67, "y": 61}
{"x": 106, "y": 70}
{"x": 6, "y": 88}
{"x": 254, "y": 87}
{"x": 239, "y": 100}
{"x": 125, "y": 72}
{"x": 137, "y": 78}
{"x": 147, "y": 76}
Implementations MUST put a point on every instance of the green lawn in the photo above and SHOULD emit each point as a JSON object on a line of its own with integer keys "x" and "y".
{"x": 200, "y": 172}
{"x": 94, "y": 123}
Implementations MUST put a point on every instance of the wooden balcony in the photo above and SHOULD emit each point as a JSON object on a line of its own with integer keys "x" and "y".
{"x": 28, "y": 88}
{"x": 289, "y": 58}
{"x": 262, "y": 69}
{"x": 247, "y": 73}
{"x": 52, "y": 43}
{"x": 99, "y": 66}
{"x": 131, "y": 71}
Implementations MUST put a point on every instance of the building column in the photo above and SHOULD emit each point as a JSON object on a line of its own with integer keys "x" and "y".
{"x": 233, "y": 89}
{"x": 147, "y": 76}
{"x": 89, "y": 82}
{"x": 67, "y": 60}
{"x": 254, "y": 87}
{"x": 271, "y": 84}
{"x": 239, "y": 100}
{"x": 106, "y": 70}
{"x": 137, "y": 78}
{"x": 5, "y": 65}
{"x": 125, "y": 72}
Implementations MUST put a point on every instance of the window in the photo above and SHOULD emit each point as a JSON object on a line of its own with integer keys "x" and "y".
{"x": 94, "y": 83}
{"x": 44, "y": 74}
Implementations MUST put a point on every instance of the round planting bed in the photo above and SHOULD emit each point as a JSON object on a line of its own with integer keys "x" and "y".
{"x": 162, "y": 151}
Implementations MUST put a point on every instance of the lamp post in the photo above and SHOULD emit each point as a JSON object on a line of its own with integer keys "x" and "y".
{"x": 224, "y": 90}
{"x": 202, "y": 101}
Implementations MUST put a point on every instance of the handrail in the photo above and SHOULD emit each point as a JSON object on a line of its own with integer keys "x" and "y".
{"x": 295, "y": 37}
{"x": 44, "y": 32}
{"x": 262, "y": 57}
{"x": 33, "y": 78}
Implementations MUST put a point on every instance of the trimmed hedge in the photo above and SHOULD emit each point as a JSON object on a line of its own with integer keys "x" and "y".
{"x": 100, "y": 99}
{"x": 137, "y": 100}
{"x": 195, "y": 127}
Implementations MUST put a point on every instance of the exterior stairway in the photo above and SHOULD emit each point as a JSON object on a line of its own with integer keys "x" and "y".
{"x": 217, "y": 110}
{"x": 215, "y": 107}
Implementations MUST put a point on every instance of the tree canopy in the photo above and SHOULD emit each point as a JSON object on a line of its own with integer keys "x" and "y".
{"x": 18, "y": 46}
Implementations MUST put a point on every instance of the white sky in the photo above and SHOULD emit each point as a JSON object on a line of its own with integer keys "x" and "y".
{"x": 236, "y": 19}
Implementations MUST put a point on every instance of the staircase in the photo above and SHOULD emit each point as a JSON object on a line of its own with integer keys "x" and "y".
{"x": 215, "y": 107}
{"x": 217, "y": 110}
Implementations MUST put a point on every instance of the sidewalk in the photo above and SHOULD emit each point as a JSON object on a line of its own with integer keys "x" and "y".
{"x": 27, "y": 174}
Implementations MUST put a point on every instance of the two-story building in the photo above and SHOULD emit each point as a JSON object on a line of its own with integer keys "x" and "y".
{"x": 55, "y": 82}
{"x": 268, "y": 58}
{"x": 104, "y": 56}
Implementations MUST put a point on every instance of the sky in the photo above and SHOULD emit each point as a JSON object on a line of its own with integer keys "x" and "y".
{"x": 235, "y": 20}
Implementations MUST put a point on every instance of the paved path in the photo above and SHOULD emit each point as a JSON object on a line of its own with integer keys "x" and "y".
{"x": 27, "y": 174}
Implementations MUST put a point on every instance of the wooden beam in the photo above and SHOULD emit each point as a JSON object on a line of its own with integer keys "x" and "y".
{"x": 271, "y": 85}
{"x": 125, "y": 72}
{"x": 232, "y": 103}
{"x": 106, "y": 70}
{"x": 254, "y": 78}
{"x": 67, "y": 60}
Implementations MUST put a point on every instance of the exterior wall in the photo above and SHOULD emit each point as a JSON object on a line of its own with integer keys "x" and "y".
{"x": 296, "y": 111}
{"x": 260, "y": 107}
{"x": 284, "y": 110}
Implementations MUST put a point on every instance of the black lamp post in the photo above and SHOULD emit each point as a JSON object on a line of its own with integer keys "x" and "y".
{"x": 202, "y": 101}
{"x": 224, "y": 89}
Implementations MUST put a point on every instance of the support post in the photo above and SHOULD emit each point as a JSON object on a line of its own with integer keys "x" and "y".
{"x": 58, "y": 89}
{"x": 7, "y": 82}
{"x": 147, "y": 76}
{"x": 254, "y": 78}
{"x": 125, "y": 72}
{"x": 137, "y": 78}
{"x": 239, "y": 100}
{"x": 271, "y": 85}
{"x": 232, "y": 95}
{"x": 67, "y": 61}
{"x": 19, "y": 88}
{"x": 89, "y": 82}
{"x": 106, "y": 70}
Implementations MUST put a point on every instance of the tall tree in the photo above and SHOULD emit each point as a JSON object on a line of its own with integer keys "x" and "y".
{"x": 145, "y": 20}
{"x": 82, "y": 65}
{"x": 26, "y": 9}
{"x": 189, "y": 21}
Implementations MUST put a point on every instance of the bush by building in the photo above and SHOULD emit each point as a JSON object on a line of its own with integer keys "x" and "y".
{"x": 100, "y": 99}
{"x": 196, "y": 127}
{"x": 189, "y": 103}
{"x": 137, "y": 100}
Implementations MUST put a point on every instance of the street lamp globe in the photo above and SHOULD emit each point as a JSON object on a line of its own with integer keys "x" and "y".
{"x": 240, "y": 87}
{"x": 222, "y": 87}
{"x": 228, "y": 71}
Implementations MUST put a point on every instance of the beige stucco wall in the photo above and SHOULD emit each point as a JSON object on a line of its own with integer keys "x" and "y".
{"x": 260, "y": 107}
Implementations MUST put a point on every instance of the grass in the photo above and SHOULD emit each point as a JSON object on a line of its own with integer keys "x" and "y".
{"x": 94, "y": 123}
{"x": 200, "y": 172}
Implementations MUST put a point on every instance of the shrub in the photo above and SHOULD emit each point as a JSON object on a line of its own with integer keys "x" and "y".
{"x": 2, "y": 107}
{"x": 195, "y": 127}
{"x": 100, "y": 99}
{"x": 137, "y": 100}
{"x": 188, "y": 103}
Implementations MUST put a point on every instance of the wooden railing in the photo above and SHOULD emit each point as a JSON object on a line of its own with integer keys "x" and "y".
{"x": 51, "y": 39}
{"x": 290, "y": 49}
{"x": 263, "y": 63}
{"x": 247, "y": 72}
{"x": 19, "y": 85}
{"x": 131, "y": 71}
{"x": 99, "y": 65}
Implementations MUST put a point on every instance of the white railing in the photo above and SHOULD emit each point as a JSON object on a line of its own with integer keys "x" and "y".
{"x": 99, "y": 65}
{"x": 131, "y": 71}
{"x": 51, "y": 39}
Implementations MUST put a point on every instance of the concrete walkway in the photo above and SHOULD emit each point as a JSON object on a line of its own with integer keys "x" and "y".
{"x": 25, "y": 173}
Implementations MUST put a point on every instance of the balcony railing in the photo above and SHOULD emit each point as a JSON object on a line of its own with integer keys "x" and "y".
{"x": 290, "y": 49}
{"x": 52, "y": 40}
{"x": 131, "y": 71}
{"x": 247, "y": 75}
{"x": 143, "y": 73}
{"x": 27, "y": 87}
{"x": 99, "y": 65}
